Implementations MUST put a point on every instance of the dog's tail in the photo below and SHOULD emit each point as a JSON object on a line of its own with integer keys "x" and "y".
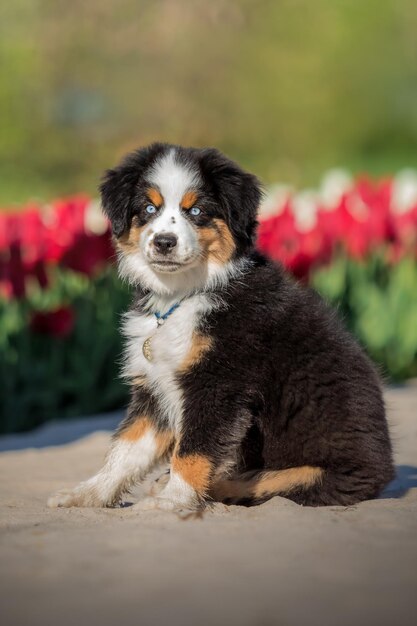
{"x": 306, "y": 485}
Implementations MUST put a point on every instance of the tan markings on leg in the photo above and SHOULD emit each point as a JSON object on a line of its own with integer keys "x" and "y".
{"x": 164, "y": 438}
{"x": 217, "y": 241}
{"x": 136, "y": 429}
{"x": 199, "y": 346}
{"x": 189, "y": 199}
{"x": 267, "y": 483}
{"x": 195, "y": 469}
{"x": 155, "y": 196}
{"x": 128, "y": 242}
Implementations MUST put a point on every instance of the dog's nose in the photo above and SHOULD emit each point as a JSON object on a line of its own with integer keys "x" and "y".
{"x": 165, "y": 242}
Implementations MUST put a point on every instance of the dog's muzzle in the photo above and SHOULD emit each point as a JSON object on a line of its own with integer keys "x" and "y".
{"x": 164, "y": 243}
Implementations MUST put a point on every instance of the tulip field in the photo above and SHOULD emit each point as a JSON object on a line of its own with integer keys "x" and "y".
{"x": 354, "y": 240}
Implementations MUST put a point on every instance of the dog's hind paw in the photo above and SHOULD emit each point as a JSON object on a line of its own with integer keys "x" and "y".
{"x": 163, "y": 504}
{"x": 152, "y": 503}
{"x": 159, "y": 484}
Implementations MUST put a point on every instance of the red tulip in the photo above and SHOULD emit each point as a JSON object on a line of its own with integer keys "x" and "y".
{"x": 88, "y": 253}
{"x": 31, "y": 235}
{"x": 57, "y": 323}
{"x": 362, "y": 221}
{"x": 15, "y": 271}
{"x": 279, "y": 238}
{"x": 63, "y": 223}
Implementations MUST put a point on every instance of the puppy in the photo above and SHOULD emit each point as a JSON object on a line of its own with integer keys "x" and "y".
{"x": 244, "y": 380}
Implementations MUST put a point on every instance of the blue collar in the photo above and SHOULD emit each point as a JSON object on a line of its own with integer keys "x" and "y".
{"x": 161, "y": 318}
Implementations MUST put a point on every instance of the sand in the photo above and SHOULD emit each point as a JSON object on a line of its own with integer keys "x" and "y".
{"x": 278, "y": 563}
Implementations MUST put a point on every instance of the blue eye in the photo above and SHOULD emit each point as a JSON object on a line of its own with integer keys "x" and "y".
{"x": 150, "y": 208}
{"x": 195, "y": 210}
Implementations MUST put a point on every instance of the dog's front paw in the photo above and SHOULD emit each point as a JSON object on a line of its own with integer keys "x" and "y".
{"x": 85, "y": 495}
{"x": 64, "y": 497}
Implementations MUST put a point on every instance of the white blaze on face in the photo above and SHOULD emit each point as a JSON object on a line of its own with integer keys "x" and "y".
{"x": 173, "y": 180}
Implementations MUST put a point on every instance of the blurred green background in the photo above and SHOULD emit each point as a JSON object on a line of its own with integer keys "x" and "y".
{"x": 287, "y": 87}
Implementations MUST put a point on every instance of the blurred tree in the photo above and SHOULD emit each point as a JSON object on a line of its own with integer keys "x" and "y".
{"x": 288, "y": 87}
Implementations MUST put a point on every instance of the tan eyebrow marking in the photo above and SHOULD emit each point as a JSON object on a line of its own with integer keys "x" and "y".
{"x": 189, "y": 199}
{"x": 155, "y": 196}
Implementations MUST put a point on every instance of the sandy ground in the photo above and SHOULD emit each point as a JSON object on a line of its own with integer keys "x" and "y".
{"x": 276, "y": 564}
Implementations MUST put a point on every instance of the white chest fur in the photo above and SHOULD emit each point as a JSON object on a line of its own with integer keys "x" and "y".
{"x": 170, "y": 344}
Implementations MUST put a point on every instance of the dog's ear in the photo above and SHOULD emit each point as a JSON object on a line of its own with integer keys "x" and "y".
{"x": 238, "y": 192}
{"x": 119, "y": 186}
{"x": 117, "y": 189}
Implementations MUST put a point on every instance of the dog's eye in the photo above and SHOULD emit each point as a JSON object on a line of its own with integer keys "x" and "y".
{"x": 150, "y": 208}
{"x": 195, "y": 210}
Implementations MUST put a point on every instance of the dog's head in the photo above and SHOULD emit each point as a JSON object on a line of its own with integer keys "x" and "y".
{"x": 179, "y": 215}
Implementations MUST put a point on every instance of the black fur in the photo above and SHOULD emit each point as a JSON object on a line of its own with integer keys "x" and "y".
{"x": 284, "y": 385}
{"x": 238, "y": 192}
{"x": 121, "y": 185}
{"x": 287, "y": 374}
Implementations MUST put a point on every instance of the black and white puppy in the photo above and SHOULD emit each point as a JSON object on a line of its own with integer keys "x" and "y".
{"x": 243, "y": 379}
